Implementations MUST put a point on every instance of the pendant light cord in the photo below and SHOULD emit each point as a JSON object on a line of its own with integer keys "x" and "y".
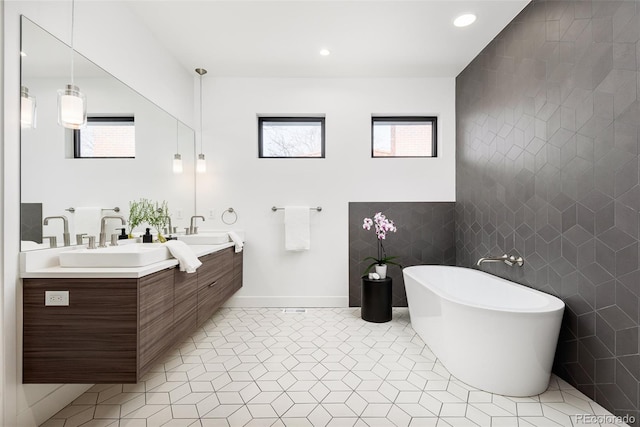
{"x": 200, "y": 113}
{"x": 73, "y": 14}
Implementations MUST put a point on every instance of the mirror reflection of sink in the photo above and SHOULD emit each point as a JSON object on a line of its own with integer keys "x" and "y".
{"x": 204, "y": 238}
{"x": 131, "y": 255}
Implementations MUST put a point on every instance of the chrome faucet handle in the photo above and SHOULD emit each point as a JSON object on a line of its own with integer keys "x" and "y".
{"x": 53, "y": 241}
{"x": 92, "y": 242}
{"x": 187, "y": 231}
{"x": 195, "y": 230}
{"x": 79, "y": 238}
{"x": 114, "y": 239}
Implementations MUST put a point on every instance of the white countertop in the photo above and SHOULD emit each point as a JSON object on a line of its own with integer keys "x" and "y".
{"x": 45, "y": 264}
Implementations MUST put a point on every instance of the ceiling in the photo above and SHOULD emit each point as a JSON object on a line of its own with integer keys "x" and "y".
{"x": 266, "y": 38}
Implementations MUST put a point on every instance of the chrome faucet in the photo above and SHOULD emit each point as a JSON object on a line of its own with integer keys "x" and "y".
{"x": 510, "y": 260}
{"x": 193, "y": 229}
{"x": 103, "y": 234}
{"x": 65, "y": 236}
{"x": 168, "y": 218}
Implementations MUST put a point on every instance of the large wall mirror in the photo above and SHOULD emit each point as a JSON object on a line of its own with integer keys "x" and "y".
{"x": 56, "y": 183}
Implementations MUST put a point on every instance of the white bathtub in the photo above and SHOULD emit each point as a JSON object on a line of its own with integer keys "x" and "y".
{"x": 490, "y": 333}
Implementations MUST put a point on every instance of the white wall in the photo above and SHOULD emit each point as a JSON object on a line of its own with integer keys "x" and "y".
{"x": 108, "y": 33}
{"x": 237, "y": 178}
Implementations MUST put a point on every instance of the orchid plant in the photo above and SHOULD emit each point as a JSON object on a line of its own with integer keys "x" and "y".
{"x": 382, "y": 225}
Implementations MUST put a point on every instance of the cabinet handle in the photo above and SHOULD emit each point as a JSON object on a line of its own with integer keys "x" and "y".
{"x": 212, "y": 284}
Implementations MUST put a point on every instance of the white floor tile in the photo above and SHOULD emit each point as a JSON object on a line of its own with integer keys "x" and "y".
{"x": 260, "y": 367}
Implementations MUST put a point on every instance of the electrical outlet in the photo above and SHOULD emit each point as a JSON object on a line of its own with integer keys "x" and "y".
{"x": 212, "y": 213}
{"x": 56, "y": 298}
{"x": 179, "y": 214}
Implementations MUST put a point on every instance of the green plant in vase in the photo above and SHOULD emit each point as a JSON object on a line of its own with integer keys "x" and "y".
{"x": 136, "y": 215}
{"x": 156, "y": 216}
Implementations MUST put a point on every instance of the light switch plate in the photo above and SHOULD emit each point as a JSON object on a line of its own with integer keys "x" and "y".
{"x": 59, "y": 298}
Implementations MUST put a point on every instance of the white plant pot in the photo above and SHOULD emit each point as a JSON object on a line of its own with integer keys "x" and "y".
{"x": 381, "y": 270}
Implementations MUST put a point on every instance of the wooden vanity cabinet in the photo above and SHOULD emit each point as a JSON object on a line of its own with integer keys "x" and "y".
{"x": 93, "y": 340}
{"x": 155, "y": 323}
{"x": 185, "y": 296}
{"x": 214, "y": 277}
{"x": 115, "y": 330}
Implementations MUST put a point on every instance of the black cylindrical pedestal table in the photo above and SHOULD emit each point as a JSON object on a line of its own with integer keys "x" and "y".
{"x": 376, "y": 300}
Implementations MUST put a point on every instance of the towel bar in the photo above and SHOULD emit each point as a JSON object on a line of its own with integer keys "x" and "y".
{"x": 116, "y": 209}
{"x": 319, "y": 209}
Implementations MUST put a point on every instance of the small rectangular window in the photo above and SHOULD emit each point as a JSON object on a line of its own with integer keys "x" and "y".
{"x": 403, "y": 136}
{"x": 105, "y": 137}
{"x": 291, "y": 137}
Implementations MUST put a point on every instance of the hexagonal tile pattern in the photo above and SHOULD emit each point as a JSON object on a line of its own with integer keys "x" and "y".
{"x": 548, "y": 136}
{"x": 426, "y": 235}
{"x": 326, "y": 367}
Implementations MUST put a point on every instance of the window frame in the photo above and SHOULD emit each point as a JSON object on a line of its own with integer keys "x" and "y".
{"x": 292, "y": 119}
{"x": 421, "y": 119}
{"x": 77, "y": 139}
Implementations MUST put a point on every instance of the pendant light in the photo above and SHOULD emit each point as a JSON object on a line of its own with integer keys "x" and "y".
{"x": 72, "y": 104}
{"x": 27, "y": 109}
{"x": 201, "y": 164}
{"x": 177, "y": 158}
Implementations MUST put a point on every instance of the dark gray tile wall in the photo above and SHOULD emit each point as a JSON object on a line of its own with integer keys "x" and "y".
{"x": 31, "y": 222}
{"x": 426, "y": 235}
{"x": 548, "y": 118}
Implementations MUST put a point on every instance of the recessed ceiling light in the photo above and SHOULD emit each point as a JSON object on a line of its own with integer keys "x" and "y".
{"x": 464, "y": 20}
{"x": 325, "y": 52}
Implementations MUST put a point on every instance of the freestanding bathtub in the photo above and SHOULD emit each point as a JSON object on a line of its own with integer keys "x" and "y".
{"x": 490, "y": 333}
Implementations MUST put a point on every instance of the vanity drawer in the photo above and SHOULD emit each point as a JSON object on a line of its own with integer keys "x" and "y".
{"x": 215, "y": 266}
{"x": 156, "y": 296}
{"x": 210, "y": 298}
{"x": 185, "y": 304}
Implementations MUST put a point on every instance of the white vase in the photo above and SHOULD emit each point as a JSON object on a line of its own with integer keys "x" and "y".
{"x": 381, "y": 270}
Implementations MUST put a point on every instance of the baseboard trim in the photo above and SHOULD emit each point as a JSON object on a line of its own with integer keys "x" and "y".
{"x": 51, "y": 404}
{"x": 287, "y": 301}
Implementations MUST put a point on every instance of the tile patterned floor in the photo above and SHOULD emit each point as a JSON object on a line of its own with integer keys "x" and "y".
{"x": 262, "y": 367}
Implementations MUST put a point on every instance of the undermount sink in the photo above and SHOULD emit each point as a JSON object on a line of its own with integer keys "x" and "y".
{"x": 204, "y": 238}
{"x": 133, "y": 255}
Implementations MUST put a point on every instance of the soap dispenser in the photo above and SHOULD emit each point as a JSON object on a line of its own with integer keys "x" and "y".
{"x": 123, "y": 235}
{"x": 147, "y": 237}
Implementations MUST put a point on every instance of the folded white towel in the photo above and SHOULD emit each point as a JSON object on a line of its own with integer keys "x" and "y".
{"x": 237, "y": 240}
{"x": 87, "y": 220}
{"x": 297, "y": 236}
{"x": 183, "y": 253}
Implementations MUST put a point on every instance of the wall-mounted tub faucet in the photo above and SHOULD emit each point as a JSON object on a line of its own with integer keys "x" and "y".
{"x": 103, "y": 234}
{"x": 510, "y": 260}
{"x": 65, "y": 235}
{"x": 193, "y": 229}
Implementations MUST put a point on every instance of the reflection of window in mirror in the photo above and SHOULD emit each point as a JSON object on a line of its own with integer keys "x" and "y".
{"x": 105, "y": 137}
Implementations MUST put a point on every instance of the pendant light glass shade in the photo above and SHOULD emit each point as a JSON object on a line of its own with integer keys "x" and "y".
{"x": 177, "y": 163}
{"x": 72, "y": 104}
{"x": 201, "y": 164}
{"x": 72, "y": 108}
{"x": 27, "y": 109}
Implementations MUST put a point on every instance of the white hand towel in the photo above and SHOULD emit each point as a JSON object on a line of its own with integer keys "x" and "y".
{"x": 189, "y": 262}
{"x": 87, "y": 220}
{"x": 237, "y": 240}
{"x": 297, "y": 236}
